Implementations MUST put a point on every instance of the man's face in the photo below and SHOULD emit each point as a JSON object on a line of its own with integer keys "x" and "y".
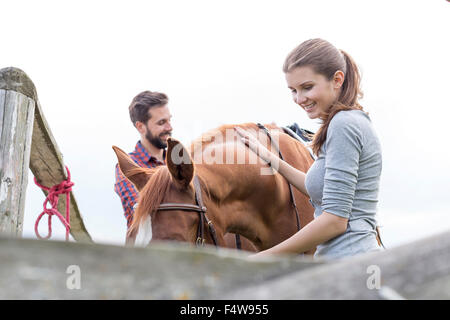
{"x": 158, "y": 128}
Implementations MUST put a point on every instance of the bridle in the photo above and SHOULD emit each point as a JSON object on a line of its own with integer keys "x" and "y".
{"x": 201, "y": 208}
{"x": 198, "y": 207}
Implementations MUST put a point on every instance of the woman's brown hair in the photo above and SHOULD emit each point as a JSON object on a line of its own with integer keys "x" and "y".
{"x": 326, "y": 59}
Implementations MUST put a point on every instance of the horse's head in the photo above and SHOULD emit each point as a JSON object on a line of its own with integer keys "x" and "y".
{"x": 171, "y": 184}
{"x": 239, "y": 198}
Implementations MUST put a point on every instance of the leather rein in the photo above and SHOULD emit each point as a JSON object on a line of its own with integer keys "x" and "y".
{"x": 201, "y": 208}
{"x": 291, "y": 191}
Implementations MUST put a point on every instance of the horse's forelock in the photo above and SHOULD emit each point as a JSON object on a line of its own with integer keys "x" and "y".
{"x": 151, "y": 196}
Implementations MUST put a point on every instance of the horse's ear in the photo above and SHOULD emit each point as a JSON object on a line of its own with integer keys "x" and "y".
{"x": 137, "y": 175}
{"x": 179, "y": 163}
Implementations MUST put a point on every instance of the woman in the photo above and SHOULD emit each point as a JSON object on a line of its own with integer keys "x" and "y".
{"x": 343, "y": 182}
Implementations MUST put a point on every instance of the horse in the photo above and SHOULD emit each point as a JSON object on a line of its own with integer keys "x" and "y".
{"x": 236, "y": 196}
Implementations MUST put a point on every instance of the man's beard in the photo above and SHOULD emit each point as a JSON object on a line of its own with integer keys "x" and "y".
{"x": 156, "y": 140}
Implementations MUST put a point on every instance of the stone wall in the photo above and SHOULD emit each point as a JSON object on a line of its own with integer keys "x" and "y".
{"x": 32, "y": 269}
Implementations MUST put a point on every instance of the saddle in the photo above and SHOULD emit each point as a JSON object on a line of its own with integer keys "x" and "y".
{"x": 300, "y": 134}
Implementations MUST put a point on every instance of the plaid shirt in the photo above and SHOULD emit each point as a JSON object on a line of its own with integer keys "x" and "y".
{"x": 125, "y": 189}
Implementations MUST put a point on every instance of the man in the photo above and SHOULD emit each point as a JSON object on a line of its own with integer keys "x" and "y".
{"x": 151, "y": 117}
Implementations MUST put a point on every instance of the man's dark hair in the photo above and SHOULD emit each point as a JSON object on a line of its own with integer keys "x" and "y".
{"x": 143, "y": 102}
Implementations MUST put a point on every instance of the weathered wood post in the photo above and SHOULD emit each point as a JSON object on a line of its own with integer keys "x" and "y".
{"x": 17, "y": 105}
{"x": 27, "y": 142}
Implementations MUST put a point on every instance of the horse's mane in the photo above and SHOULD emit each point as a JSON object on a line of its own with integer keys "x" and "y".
{"x": 151, "y": 196}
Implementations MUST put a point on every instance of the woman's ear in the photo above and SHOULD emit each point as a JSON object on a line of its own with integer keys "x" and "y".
{"x": 338, "y": 79}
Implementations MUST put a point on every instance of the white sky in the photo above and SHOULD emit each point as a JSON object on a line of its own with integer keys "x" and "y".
{"x": 220, "y": 62}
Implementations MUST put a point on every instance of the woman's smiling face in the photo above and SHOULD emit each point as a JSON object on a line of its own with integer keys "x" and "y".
{"x": 312, "y": 91}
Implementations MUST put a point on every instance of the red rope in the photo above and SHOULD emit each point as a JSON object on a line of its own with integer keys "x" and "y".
{"x": 64, "y": 187}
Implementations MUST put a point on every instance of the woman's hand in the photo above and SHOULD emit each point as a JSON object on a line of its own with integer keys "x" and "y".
{"x": 254, "y": 144}
{"x": 292, "y": 175}
{"x": 258, "y": 255}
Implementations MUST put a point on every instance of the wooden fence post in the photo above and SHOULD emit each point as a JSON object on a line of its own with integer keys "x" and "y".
{"x": 27, "y": 141}
{"x": 17, "y": 105}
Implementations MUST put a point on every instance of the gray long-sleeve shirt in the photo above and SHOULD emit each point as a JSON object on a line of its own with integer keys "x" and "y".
{"x": 344, "y": 180}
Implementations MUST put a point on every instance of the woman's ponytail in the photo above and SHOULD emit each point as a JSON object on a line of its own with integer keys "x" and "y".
{"x": 350, "y": 92}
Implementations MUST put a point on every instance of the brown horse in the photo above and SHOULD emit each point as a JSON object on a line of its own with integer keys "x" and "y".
{"x": 238, "y": 197}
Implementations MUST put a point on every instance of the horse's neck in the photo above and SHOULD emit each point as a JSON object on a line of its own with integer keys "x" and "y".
{"x": 241, "y": 200}
{"x": 229, "y": 182}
